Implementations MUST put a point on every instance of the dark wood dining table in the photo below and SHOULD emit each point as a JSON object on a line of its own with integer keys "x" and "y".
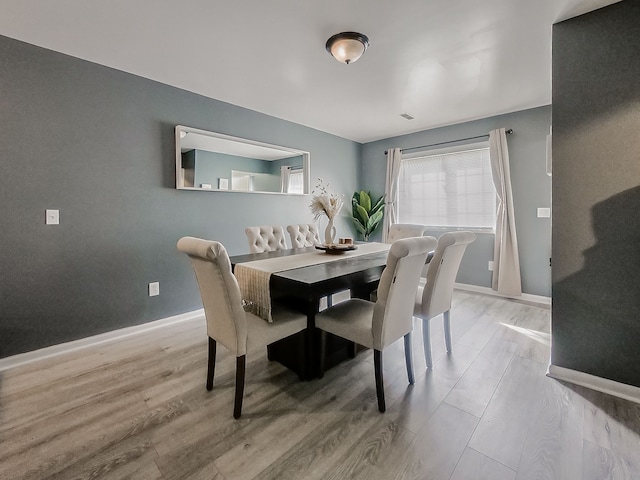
{"x": 303, "y": 288}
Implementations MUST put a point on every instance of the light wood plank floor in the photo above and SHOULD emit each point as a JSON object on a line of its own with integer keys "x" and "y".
{"x": 138, "y": 409}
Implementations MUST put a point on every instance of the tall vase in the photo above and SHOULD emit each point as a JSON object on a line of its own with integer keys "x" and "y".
{"x": 330, "y": 233}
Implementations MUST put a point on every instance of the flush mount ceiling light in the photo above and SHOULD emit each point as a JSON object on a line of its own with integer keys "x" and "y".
{"x": 347, "y": 47}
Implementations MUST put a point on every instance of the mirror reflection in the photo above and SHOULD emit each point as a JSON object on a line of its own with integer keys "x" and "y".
{"x": 218, "y": 162}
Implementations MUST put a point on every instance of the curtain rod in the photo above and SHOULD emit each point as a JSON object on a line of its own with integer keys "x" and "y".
{"x": 508, "y": 131}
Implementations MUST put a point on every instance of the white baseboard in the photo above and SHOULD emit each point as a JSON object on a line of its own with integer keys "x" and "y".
{"x": 617, "y": 389}
{"x": 55, "y": 350}
{"x": 526, "y": 297}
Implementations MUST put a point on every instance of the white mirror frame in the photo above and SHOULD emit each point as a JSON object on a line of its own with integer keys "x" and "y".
{"x": 221, "y": 143}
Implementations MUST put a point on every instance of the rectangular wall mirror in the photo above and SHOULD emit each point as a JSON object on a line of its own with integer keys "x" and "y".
{"x": 211, "y": 161}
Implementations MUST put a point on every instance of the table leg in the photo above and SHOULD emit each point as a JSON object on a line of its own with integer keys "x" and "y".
{"x": 312, "y": 365}
{"x": 363, "y": 292}
{"x": 323, "y": 352}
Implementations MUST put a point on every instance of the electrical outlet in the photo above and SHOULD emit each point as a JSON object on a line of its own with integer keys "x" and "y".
{"x": 52, "y": 217}
{"x": 491, "y": 265}
{"x": 154, "y": 289}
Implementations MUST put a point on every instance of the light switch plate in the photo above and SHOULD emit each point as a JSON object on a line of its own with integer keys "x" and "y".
{"x": 544, "y": 212}
{"x": 154, "y": 289}
{"x": 52, "y": 217}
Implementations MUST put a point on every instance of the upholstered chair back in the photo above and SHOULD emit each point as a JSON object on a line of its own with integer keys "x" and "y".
{"x": 393, "y": 312}
{"x": 266, "y": 238}
{"x": 404, "y": 230}
{"x": 221, "y": 297}
{"x": 442, "y": 272}
{"x": 304, "y": 235}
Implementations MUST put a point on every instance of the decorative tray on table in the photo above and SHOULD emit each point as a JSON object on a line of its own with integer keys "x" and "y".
{"x": 337, "y": 248}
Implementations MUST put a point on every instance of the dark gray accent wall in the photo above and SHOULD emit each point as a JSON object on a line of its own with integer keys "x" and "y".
{"x": 98, "y": 144}
{"x": 531, "y": 189}
{"x": 596, "y": 193}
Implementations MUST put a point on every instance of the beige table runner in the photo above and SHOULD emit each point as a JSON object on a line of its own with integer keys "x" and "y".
{"x": 253, "y": 277}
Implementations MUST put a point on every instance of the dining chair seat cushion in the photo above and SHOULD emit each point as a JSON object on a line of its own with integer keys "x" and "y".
{"x": 350, "y": 319}
{"x": 286, "y": 322}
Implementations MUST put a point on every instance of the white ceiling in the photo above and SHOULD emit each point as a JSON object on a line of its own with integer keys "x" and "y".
{"x": 442, "y": 61}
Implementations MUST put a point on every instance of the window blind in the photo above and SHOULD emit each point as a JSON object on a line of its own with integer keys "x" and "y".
{"x": 453, "y": 190}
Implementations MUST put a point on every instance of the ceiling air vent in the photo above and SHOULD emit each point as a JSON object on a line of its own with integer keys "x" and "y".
{"x": 406, "y": 116}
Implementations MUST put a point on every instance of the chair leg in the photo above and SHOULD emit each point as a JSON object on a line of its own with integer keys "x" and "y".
{"x": 408, "y": 356}
{"x": 323, "y": 353}
{"x": 377, "y": 360}
{"x": 211, "y": 363}
{"x": 240, "y": 369}
{"x": 427, "y": 343}
{"x": 447, "y": 329}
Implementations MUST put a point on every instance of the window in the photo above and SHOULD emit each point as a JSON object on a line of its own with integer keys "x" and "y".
{"x": 448, "y": 189}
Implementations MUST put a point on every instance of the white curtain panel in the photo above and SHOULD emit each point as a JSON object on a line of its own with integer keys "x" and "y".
{"x": 394, "y": 157}
{"x": 285, "y": 179}
{"x": 506, "y": 261}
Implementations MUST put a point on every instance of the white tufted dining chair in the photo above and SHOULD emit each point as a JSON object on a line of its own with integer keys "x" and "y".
{"x": 266, "y": 238}
{"x": 433, "y": 296}
{"x": 405, "y": 230}
{"x": 378, "y": 325}
{"x": 304, "y": 235}
{"x": 398, "y": 231}
{"x": 227, "y": 322}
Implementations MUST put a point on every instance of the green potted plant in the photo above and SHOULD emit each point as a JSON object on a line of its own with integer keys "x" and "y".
{"x": 366, "y": 214}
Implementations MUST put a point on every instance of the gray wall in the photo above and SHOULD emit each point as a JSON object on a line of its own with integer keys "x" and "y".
{"x": 596, "y": 193}
{"x": 98, "y": 144}
{"x": 211, "y": 166}
{"x": 295, "y": 162}
{"x": 531, "y": 189}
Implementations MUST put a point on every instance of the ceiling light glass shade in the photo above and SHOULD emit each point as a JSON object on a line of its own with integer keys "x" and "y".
{"x": 347, "y": 47}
